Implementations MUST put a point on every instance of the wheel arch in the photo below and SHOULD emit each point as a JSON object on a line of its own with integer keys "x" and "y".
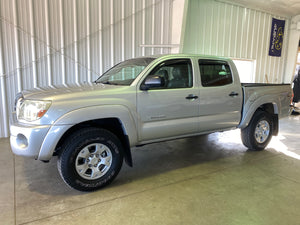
{"x": 114, "y": 125}
{"x": 271, "y": 108}
{"x": 115, "y": 118}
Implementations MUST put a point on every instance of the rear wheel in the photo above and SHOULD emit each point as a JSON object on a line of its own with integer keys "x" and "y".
{"x": 90, "y": 159}
{"x": 257, "y": 135}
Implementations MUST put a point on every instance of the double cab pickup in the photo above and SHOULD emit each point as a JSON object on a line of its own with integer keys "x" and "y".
{"x": 92, "y": 127}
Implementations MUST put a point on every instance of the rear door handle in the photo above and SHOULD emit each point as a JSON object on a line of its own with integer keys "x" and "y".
{"x": 232, "y": 94}
{"x": 191, "y": 96}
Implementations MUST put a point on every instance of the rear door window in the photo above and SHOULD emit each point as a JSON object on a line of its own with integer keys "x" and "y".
{"x": 214, "y": 73}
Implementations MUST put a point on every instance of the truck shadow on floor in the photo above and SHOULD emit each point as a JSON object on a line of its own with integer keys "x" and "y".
{"x": 222, "y": 149}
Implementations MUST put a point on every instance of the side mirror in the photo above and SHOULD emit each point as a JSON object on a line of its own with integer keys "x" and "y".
{"x": 222, "y": 73}
{"x": 154, "y": 81}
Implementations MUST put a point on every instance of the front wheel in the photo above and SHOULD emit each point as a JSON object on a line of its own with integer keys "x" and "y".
{"x": 257, "y": 135}
{"x": 90, "y": 159}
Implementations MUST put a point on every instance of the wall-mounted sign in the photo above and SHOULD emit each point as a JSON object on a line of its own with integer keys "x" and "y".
{"x": 276, "y": 38}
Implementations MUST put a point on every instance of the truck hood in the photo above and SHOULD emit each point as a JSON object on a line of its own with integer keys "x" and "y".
{"x": 69, "y": 91}
{"x": 65, "y": 99}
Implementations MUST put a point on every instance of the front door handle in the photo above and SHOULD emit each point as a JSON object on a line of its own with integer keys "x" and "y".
{"x": 232, "y": 94}
{"x": 191, "y": 96}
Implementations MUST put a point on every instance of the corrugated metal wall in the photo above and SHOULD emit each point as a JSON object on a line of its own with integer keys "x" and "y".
{"x": 52, "y": 42}
{"x": 223, "y": 29}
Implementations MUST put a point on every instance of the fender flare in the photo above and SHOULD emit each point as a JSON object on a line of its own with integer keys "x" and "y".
{"x": 72, "y": 118}
{"x": 260, "y": 103}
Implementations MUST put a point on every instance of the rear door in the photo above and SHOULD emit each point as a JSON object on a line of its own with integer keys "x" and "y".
{"x": 171, "y": 110}
{"x": 220, "y": 96}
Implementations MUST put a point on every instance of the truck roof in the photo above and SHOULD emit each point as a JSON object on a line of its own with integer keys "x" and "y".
{"x": 185, "y": 55}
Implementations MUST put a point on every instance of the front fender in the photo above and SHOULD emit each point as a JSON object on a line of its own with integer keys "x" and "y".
{"x": 81, "y": 115}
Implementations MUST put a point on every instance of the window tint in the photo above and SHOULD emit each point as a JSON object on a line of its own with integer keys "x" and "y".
{"x": 214, "y": 73}
{"x": 175, "y": 73}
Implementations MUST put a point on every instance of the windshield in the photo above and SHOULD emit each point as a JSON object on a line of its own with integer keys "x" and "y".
{"x": 125, "y": 72}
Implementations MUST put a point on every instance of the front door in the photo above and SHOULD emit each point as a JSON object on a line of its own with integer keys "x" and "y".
{"x": 172, "y": 109}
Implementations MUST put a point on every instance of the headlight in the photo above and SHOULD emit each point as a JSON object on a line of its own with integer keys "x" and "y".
{"x": 31, "y": 110}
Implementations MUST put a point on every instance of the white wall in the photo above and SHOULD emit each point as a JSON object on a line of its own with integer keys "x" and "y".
{"x": 223, "y": 29}
{"x": 294, "y": 36}
{"x": 53, "y": 42}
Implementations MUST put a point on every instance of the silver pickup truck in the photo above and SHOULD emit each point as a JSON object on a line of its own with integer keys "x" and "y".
{"x": 140, "y": 101}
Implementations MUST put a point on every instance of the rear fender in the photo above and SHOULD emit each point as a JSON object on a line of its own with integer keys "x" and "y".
{"x": 250, "y": 109}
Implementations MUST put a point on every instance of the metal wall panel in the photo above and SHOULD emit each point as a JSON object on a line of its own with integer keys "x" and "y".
{"x": 54, "y": 42}
{"x": 223, "y": 29}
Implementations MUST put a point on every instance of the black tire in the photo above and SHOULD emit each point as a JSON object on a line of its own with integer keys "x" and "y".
{"x": 257, "y": 135}
{"x": 90, "y": 159}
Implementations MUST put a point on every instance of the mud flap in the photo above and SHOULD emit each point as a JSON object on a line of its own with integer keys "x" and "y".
{"x": 275, "y": 124}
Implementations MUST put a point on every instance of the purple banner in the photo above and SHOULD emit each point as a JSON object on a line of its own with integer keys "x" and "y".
{"x": 276, "y": 38}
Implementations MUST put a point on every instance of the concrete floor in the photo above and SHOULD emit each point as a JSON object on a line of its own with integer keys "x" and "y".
{"x": 211, "y": 179}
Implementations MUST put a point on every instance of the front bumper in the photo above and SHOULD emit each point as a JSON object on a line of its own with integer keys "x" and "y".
{"x": 35, "y": 141}
{"x": 27, "y": 140}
